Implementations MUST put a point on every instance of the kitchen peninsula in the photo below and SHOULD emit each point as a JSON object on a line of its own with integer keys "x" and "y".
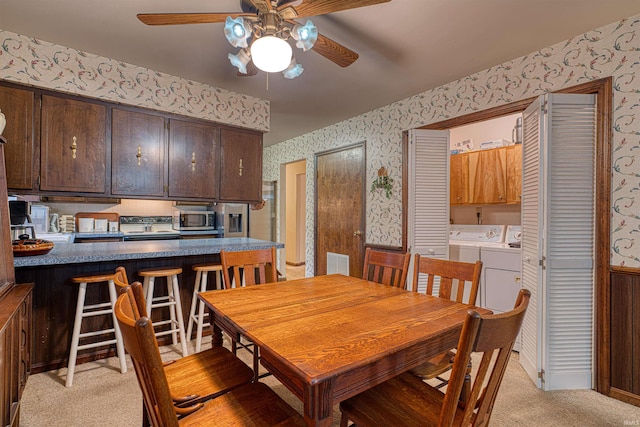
{"x": 54, "y": 296}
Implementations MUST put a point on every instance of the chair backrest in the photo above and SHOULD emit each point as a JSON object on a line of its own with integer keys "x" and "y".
{"x": 387, "y": 268}
{"x": 450, "y": 273}
{"x": 492, "y": 336}
{"x": 249, "y": 267}
{"x": 140, "y": 342}
{"x": 122, "y": 282}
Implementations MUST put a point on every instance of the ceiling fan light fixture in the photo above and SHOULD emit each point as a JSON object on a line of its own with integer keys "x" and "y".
{"x": 240, "y": 60}
{"x": 237, "y": 31}
{"x": 271, "y": 54}
{"x": 293, "y": 70}
{"x": 305, "y": 35}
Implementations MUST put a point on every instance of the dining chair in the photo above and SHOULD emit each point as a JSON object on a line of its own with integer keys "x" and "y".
{"x": 406, "y": 400}
{"x": 452, "y": 275}
{"x": 249, "y": 404}
{"x": 387, "y": 268}
{"x": 197, "y": 377}
{"x": 248, "y": 268}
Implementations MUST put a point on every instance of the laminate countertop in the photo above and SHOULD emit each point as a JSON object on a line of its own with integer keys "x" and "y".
{"x": 79, "y": 253}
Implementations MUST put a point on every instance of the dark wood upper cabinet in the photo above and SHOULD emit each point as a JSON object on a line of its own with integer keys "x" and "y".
{"x": 18, "y": 108}
{"x": 137, "y": 154}
{"x": 73, "y": 140}
{"x": 240, "y": 166}
{"x": 193, "y": 160}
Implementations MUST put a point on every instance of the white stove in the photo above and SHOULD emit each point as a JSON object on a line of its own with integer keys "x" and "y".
{"x": 148, "y": 228}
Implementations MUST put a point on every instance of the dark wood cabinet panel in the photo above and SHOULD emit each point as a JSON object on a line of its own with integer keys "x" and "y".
{"x": 240, "y": 166}
{"x": 73, "y": 139}
{"x": 137, "y": 154}
{"x": 193, "y": 160}
{"x": 18, "y": 107}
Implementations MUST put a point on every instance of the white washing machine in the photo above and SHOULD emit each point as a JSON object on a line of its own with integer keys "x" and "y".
{"x": 466, "y": 241}
{"x": 501, "y": 275}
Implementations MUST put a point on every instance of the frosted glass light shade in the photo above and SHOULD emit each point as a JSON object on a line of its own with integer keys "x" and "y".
{"x": 237, "y": 31}
{"x": 240, "y": 60}
{"x": 271, "y": 54}
{"x": 306, "y": 35}
{"x": 293, "y": 70}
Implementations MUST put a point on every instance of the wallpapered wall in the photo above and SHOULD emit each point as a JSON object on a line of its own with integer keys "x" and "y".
{"x": 612, "y": 50}
{"x": 34, "y": 62}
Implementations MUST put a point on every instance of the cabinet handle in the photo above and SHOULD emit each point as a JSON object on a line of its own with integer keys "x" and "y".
{"x": 74, "y": 147}
{"x": 240, "y": 168}
{"x": 357, "y": 233}
{"x": 193, "y": 162}
{"x": 139, "y": 155}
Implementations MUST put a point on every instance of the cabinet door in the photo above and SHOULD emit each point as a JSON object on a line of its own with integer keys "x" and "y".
{"x": 193, "y": 159}
{"x": 17, "y": 106}
{"x": 137, "y": 154}
{"x": 73, "y": 135}
{"x": 490, "y": 177}
{"x": 240, "y": 166}
{"x": 459, "y": 179}
{"x": 514, "y": 173}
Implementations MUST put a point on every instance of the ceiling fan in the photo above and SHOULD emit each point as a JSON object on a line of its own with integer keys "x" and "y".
{"x": 262, "y": 28}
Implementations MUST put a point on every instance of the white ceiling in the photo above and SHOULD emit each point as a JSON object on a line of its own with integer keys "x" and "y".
{"x": 405, "y": 46}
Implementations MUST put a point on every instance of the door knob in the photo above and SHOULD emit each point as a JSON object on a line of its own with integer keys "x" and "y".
{"x": 357, "y": 233}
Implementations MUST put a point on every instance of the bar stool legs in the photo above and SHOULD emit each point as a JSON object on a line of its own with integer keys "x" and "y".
{"x": 200, "y": 285}
{"x": 171, "y": 300}
{"x": 99, "y": 309}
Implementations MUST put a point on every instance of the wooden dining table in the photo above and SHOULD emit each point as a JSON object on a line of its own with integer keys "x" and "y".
{"x": 327, "y": 338}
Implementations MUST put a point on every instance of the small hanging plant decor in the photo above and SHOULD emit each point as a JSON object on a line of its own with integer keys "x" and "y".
{"x": 383, "y": 181}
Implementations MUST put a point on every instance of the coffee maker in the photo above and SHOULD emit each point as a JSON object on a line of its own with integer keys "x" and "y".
{"x": 20, "y": 219}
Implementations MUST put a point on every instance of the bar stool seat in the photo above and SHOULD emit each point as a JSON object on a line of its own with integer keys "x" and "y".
{"x": 200, "y": 285}
{"x": 98, "y": 309}
{"x": 171, "y": 299}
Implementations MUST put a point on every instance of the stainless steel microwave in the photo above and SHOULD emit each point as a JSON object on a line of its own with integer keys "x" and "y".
{"x": 194, "y": 220}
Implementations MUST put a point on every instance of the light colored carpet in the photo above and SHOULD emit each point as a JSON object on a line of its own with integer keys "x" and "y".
{"x": 101, "y": 396}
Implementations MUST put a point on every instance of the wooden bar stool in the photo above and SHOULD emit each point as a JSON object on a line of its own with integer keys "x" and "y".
{"x": 200, "y": 285}
{"x": 98, "y": 309}
{"x": 171, "y": 300}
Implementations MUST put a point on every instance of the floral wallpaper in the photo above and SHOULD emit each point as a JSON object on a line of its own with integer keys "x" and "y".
{"x": 612, "y": 50}
{"x": 34, "y": 62}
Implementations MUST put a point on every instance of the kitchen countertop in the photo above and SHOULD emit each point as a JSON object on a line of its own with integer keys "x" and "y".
{"x": 72, "y": 253}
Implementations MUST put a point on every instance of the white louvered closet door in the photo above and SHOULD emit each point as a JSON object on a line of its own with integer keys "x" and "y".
{"x": 531, "y": 214}
{"x": 428, "y": 195}
{"x": 564, "y": 298}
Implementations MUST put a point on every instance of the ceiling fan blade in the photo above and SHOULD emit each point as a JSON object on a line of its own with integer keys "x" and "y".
{"x": 320, "y": 7}
{"x": 252, "y": 70}
{"x": 334, "y": 51}
{"x": 186, "y": 18}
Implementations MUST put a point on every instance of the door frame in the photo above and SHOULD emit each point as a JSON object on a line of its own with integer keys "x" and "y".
{"x": 363, "y": 213}
{"x": 603, "y": 88}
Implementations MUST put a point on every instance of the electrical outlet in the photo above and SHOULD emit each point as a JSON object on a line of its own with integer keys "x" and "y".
{"x": 479, "y": 210}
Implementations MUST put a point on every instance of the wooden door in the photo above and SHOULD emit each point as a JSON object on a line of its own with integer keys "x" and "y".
{"x": 73, "y": 135}
{"x": 137, "y": 154}
{"x": 340, "y": 203}
{"x": 459, "y": 179}
{"x": 240, "y": 166}
{"x": 514, "y": 173}
{"x": 17, "y": 105}
{"x": 193, "y": 160}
